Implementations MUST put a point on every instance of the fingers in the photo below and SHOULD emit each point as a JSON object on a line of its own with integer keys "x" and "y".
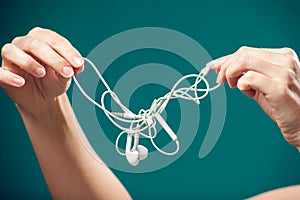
{"x": 45, "y": 54}
{"x": 245, "y": 59}
{"x": 61, "y": 45}
{"x": 252, "y": 80}
{"x": 11, "y": 79}
{"x": 217, "y": 63}
{"x": 43, "y": 48}
{"x": 255, "y": 70}
{"x": 230, "y": 68}
{"x": 269, "y": 76}
{"x": 12, "y": 54}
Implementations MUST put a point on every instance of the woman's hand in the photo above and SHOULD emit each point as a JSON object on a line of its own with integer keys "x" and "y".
{"x": 36, "y": 68}
{"x": 272, "y": 78}
{"x": 35, "y": 73}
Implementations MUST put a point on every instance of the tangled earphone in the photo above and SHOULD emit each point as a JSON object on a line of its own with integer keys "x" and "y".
{"x": 146, "y": 120}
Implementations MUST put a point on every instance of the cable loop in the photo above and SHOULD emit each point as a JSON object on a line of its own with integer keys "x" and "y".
{"x": 145, "y": 120}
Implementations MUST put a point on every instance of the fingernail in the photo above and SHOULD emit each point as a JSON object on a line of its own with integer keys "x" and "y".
{"x": 211, "y": 64}
{"x": 40, "y": 72}
{"x": 78, "y": 61}
{"x": 68, "y": 71}
{"x": 18, "y": 81}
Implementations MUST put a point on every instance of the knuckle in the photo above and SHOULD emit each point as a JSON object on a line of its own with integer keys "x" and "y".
{"x": 5, "y": 49}
{"x": 27, "y": 41}
{"x": 17, "y": 40}
{"x": 228, "y": 73}
{"x": 288, "y": 51}
{"x": 249, "y": 76}
{"x": 243, "y": 49}
{"x": 29, "y": 64}
{"x": 243, "y": 59}
{"x": 33, "y": 43}
{"x": 57, "y": 61}
{"x": 35, "y": 30}
{"x": 56, "y": 41}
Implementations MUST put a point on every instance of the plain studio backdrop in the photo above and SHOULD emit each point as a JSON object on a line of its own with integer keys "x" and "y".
{"x": 250, "y": 157}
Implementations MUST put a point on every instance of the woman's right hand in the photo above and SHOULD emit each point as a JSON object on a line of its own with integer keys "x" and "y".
{"x": 36, "y": 68}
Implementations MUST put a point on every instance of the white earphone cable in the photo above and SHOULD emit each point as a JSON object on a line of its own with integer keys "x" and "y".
{"x": 146, "y": 119}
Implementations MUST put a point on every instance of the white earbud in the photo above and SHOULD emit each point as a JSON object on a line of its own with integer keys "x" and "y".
{"x": 143, "y": 152}
{"x": 133, "y": 157}
{"x": 137, "y": 153}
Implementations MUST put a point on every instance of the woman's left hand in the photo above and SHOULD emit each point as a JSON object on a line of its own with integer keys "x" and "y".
{"x": 272, "y": 78}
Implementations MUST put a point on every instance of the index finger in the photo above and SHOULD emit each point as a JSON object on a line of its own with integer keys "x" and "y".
{"x": 216, "y": 63}
{"x": 60, "y": 44}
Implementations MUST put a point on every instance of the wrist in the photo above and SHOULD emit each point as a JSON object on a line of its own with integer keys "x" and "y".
{"x": 48, "y": 111}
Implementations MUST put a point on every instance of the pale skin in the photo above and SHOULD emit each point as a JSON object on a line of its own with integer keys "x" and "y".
{"x": 272, "y": 78}
{"x": 36, "y": 71}
{"x": 38, "y": 89}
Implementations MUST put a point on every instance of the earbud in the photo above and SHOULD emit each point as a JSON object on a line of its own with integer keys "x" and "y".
{"x": 143, "y": 152}
{"x": 137, "y": 153}
{"x": 134, "y": 156}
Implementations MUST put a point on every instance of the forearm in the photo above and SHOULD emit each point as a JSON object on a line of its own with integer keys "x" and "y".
{"x": 70, "y": 171}
{"x": 287, "y": 193}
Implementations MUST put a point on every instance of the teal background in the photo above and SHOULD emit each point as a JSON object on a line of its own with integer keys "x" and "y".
{"x": 251, "y": 155}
